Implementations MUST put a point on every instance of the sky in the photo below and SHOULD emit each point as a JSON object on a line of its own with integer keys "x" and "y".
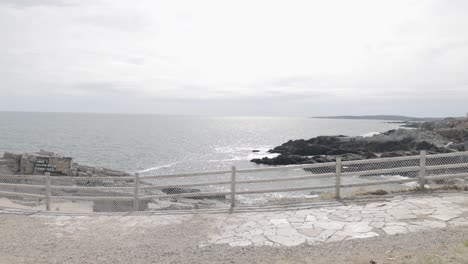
{"x": 255, "y": 57}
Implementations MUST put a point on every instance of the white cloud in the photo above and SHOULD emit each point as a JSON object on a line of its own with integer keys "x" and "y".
{"x": 338, "y": 50}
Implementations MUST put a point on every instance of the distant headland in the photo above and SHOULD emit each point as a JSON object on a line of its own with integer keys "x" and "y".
{"x": 380, "y": 117}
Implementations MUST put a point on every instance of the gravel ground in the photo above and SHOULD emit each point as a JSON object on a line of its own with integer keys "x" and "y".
{"x": 33, "y": 240}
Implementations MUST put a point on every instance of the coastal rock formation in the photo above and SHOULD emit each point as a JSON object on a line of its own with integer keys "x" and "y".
{"x": 27, "y": 164}
{"x": 442, "y": 136}
{"x": 43, "y": 161}
{"x": 10, "y": 163}
{"x": 177, "y": 190}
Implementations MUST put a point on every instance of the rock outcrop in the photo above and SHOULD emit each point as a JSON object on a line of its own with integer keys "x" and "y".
{"x": 27, "y": 164}
{"x": 44, "y": 161}
{"x": 446, "y": 135}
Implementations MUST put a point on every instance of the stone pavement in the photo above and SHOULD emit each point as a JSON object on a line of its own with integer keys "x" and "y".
{"x": 395, "y": 215}
{"x": 329, "y": 224}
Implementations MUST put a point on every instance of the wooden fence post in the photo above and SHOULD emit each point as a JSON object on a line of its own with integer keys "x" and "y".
{"x": 233, "y": 189}
{"x": 136, "y": 201}
{"x": 338, "y": 179}
{"x": 422, "y": 170}
{"x": 47, "y": 190}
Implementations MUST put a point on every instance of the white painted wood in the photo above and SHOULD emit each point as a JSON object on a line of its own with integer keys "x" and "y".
{"x": 233, "y": 189}
{"x": 135, "y": 192}
{"x": 90, "y": 188}
{"x": 95, "y": 198}
{"x": 47, "y": 190}
{"x": 289, "y": 167}
{"x": 288, "y": 189}
{"x": 24, "y": 177}
{"x": 338, "y": 178}
{"x": 22, "y": 185}
{"x": 377, "y": 183}
{"x": 196, "y": 174}
{"x": 447, "y": 176}
{"x": 452, "y": 154}
{"x": 381, "y": 171}
{"x": 294, "y": 178}
{"x": 186, "y": 195}
{"x": 377, "y": 160}
{"x": 447, "y": 166}
{"x": 422, "y": 169}
{"x": 159, "y": 187}
{"x": 18, "y": 194}
{"x": 91, "y": 178}
{"x": 316, "y": 165}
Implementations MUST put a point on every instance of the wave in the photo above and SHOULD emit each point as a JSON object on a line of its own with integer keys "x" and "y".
{"x": 157, "y": 168}
{"x": 232, "y": 149}
{"x": 370, "y": 134}
{"x": 243, "y": 153}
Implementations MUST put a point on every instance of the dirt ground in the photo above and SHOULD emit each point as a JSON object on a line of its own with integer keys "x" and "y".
{"x": 27, "y": 239}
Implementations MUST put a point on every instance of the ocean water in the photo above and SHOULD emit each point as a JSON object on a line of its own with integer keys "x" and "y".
{"x": 156, "y": 144}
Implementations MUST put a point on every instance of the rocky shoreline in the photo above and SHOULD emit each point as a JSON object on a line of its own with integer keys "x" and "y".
{"x": 79, "y": 175}
{"x": 440, "y": 136}
{"x": 27, "y": 164}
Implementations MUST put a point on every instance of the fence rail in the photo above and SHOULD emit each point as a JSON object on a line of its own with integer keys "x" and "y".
{"x": 139, "y": 189}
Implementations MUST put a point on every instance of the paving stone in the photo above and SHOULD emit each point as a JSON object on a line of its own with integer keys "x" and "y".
{"x": 353, "y": 218}
{"x": 304, "y": 225}
{"x": 458, "y": 222}
{"x": 258, "y": 239}
{"x": 256, "y": 231}
{"x": 336, "y": 238}
{"x": 396, "y": 224}
{"x": 311, "y": 218}
{"x": 330, "y": 225}
{"x": 291, "y": 228}
{"x": 364, "y": 235}
{"x": 377, "y": 224}
{"x": 295, "y": 219}
{"x": 360, "y": 227}
{"x": 446, "y": 215}
{"x": 278, "y": 222}
{"x": 310, "y": 231}
{"x": 416, "y": 228}
{"x": 393, "y": 230}
{"x": 284, "y": 231}
{"x": 241, "y": 243}
{"x": 287, "y": 241}
{"x": 423, "y": 211}
{"x": 336, "y": 218}
{"x": 325, "y": 235}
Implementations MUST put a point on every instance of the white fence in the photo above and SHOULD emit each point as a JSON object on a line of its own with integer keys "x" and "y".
{"x": 147, "y": 192}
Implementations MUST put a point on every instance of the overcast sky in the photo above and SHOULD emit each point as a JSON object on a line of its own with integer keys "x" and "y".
{"x": 289, "y": 58}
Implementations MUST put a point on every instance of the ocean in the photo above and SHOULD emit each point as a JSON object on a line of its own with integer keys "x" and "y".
{"x": 159, "y": 144}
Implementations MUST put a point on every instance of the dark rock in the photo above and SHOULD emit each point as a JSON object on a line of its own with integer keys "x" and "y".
{"x": 284, "y": 160}
{"x": 12, "y": 156}
{"x": 323, "y": 159}
{"x": 378, "y": 192}
{"x": 411, "y": 124}
{"x": 177, "y": 207}
{"x": 454, "y": 135}
{"x": 176, "y": 190}
{"x": 458, "y": 146}
{"x": 45, "y": 153}
{"x": 27, "y": 164}
{"x": 389, "y": 132}
{"x": 119, "y": 206}
{"x": 255, "y": 150}
{"x": 392, "y": 154}
{"x": 393, "y": 143}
